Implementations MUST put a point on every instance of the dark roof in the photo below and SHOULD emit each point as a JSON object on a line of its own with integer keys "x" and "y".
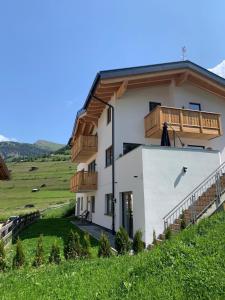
{"x": 107, "y": 74}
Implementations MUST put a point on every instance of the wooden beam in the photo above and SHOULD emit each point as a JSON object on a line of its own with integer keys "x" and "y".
{"x": 181, "y": 79}
{"x": 122, "y": 89}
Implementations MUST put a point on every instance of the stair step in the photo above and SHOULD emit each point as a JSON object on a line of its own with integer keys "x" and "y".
{"x": 162, "y": 237}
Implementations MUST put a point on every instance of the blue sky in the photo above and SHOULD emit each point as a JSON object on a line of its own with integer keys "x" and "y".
{"x": 50, "y": 51}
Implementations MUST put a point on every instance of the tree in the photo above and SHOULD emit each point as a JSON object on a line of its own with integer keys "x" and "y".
{"x": 104, "y": 249}
{"x": 86, "y": 250}
{"x": 72, "y": 248}
{"x": 138, "y": 244}
{"x": 19, "y": 258}
{"x": 122, "y": 241}
{"x": 55, "y": 254}
{"x": 39, "y": 256}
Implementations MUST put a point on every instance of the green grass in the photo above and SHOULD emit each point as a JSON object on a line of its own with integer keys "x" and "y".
{"x": 16, "y": 193}
{"x": 190, "y": 266}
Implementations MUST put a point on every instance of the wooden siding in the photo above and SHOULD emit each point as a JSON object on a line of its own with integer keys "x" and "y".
{"x": 188, "y": 123}
{"x": 84, "y": 181}
{"x": 84, "y": 147}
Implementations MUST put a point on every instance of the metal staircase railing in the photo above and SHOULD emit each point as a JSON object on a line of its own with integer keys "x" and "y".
{"x": 188, "y": 202}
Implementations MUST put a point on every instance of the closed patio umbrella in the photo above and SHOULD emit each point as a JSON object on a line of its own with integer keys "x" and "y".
{"x": 165, "y": 139}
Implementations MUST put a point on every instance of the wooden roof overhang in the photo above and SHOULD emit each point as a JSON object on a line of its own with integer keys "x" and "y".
{"x": 4, "y": 172}
{"x": 115, "y": 83}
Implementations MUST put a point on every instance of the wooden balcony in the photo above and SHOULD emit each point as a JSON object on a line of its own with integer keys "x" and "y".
{"x": 84, "y": 181}
{"x": 186, "y": 122}
{"x": 84, "y": 147}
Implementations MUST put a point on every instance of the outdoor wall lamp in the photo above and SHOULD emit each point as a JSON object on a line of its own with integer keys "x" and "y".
{"x": 185, "y": 169}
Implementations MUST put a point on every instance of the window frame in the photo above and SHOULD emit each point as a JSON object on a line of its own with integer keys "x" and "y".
{"x": 108, "y": 204}
{"x": 92, "y": 166}
{"x": 92, "y": 204}
{"x": 108, "y": 116}
{"x": 197, "y": 104}
{"x": 108, "y": 160}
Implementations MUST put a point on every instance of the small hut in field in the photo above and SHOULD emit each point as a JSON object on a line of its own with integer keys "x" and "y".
{"x": 4, "y": 172}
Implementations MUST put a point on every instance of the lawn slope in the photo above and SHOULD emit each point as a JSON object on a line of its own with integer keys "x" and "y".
{"x": 16, "y": 193}
{"x": 190, "y": 266}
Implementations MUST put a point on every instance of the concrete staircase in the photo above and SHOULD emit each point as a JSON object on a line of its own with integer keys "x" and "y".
{"x": 202, "y": 202}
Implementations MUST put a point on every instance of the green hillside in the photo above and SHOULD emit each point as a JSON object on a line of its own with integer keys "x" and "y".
{"x": 190, "y": 266}
{"x": 16, "y": 193}
{"x": 49, "y": 146}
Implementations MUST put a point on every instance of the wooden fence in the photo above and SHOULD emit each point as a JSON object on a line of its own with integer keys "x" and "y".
{"x": 10, "y": 229}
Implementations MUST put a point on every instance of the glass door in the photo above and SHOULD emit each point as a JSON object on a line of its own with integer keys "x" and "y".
{"x": 127, "y": 212}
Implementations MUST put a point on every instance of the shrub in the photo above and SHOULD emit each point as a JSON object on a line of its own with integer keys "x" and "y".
{"x": 168, "y": 233}
{"x": 39, "y": 256}
{"x": 122, "y": 241}
{"x": 104, "y": 246}
{"x": 138, "y": 244}
{"x": 154, "y": 242}
{"x": 19, "y": 258}
{"x": 72, "y": 248}
{"x": 55, "y": 254}
{"x": 182, "y": 223}
{"x": 86, "y": 252}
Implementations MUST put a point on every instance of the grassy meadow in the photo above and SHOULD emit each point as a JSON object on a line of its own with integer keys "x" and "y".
{"x": 17, "y": 192}
{"x": 189, "y": 266}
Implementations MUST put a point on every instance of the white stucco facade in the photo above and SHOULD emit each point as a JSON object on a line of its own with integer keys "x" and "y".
{"x": 153, "y": 174}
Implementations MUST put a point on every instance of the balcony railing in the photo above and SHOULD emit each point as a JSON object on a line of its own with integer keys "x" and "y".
{"x": 189, "y": 123}
{"x": 84, "y": 181}
{"x": 84, "y": 147}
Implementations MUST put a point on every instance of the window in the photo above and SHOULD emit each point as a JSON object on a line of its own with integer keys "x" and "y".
{"x": 195, "y": 106}
{"x": 108, "y": 204}
{"x": 82, "y": 203}
{"x": 91, "y": 166}
{"x": 108, "y": 156}
{"x": 152, "y": 105}
{"x": 127, "y": 147}
{"x": 92, "y": 204}
{"x": 109, "y": 115}
{"x": 196, "y": 147}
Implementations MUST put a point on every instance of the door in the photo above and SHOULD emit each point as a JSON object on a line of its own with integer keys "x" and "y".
{"x": 127, "y": 212}
{"x": 78, "y": 206}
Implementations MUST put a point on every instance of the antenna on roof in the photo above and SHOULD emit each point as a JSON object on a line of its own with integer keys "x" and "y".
{"x": 184, "y": 51}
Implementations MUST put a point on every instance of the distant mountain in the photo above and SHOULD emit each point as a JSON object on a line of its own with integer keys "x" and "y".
{"x": 15, "y": 149}
{"x": 49, "y": 146}
{"x": 219, "y": 69}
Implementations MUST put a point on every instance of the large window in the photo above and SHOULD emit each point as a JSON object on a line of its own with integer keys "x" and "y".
{"x": 92, "y": 204}
{"x": 108, "y": 204}
{"x": 195, "y": 106}
{"x": 127, "y": 147}
{"x": 108, "y": 156}
{"x": 109, "y": 115}
{"x": 152, "y": 105}
{"x": 91, "y": 166}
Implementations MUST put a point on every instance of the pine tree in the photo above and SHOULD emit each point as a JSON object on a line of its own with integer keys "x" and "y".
{"x": 104, "y": 249}
{"x": 55, "y": 254}
{"x": 19, "y": 258}
{"x": 122, "y": 241}
{"x": 138, "y": 244}
{"x": 72, "y": 248}
{"x": 39, "y": 256}
{"x": 86, "y": 252}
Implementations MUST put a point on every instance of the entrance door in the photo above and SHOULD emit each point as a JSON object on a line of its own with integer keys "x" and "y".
{"x": 78, "y": 206}
{"x": 127, "y": 212}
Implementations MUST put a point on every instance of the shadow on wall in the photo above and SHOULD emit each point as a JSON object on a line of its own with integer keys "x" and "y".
{"x": 181, "y": 174}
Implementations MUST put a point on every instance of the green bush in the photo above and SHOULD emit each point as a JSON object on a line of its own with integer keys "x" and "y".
{"x": 183, "y": 222}
{"x": 168, "y": 233}
{"x": 104, "y": 249}
{"x": 55, "y": 254}
{"x": 72, "y": 248}
{"x": 138, "y": 244}
{"x": 86, "y": 249}
{"x": 19, "y": 258}
{"x": 122, "y": 241}
{"x": 39, "y": 256}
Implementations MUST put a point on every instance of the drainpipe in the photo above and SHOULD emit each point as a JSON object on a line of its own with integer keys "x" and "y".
{"x": 113, "y": 160}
